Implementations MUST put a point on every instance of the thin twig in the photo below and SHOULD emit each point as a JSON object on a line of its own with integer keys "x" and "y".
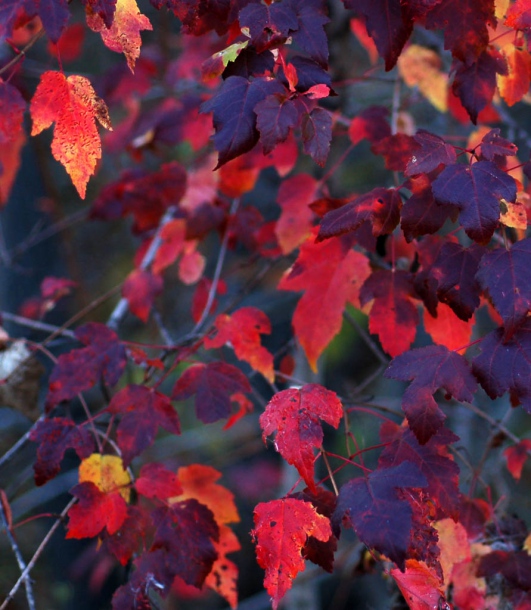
{"x": 20, "y": 560}
{"x": 37, "y": 554}
{"x": 22, "y": 52}
{"x": 366, "y": 337}
{"x": 21, "y": 441}
{"x": 217, "y": 271}
{"x": 122, "y": 306}
{"x": 36, "y": 325}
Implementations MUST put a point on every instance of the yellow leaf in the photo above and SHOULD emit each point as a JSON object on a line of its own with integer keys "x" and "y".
{"x": 107, "y": 473}
{"x": 421, "y": 67}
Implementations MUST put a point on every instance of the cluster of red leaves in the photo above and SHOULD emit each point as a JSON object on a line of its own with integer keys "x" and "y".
{"x": 408, "y": 510}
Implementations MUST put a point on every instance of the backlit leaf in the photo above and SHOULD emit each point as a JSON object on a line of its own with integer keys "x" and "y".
{"x": 107, "y": 472}
{"x": 281, "y": 530}
{"x": 421, "y": 587}
{"x": 294, "y": 416}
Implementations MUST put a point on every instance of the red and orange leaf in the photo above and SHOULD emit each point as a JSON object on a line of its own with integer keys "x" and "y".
{"x": 69, "y": 46}
{"x": 242, "y": 330}
{"x": 295, "y": 222}
{"x": 123, "y": 36}
{"x": 107, "y": 472}
{"x": 74, "y": 107}
{"x": 143, "y": 410}
{"x": 393, "y": 316}
{"x": 281, "y": 530}
{"x": 95, "y": 511}
{"x": 519, "y": 15}
{"x": 294, "y": 415}
{"x": 447, "y": 329}
{"x": 453, "y": 544}
{"x": 223, "y": 578}
{"x": 516, "y": 456}
{"x": 140, "y": 289}
{"x": 331, "y": 275}
{"x": 55, "y": 436}
{"x": 214, "y": 385}
{"x": 172, "y": 236}
{"x": 199, "y": 482}
{"x": 430, "y": 368}
{"x": 156, "y": 481}
{"x": 420, "y": 586}
{"x": 80, "y": 369}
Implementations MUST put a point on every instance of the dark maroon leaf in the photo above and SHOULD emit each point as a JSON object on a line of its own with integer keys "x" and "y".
{"x": 55, "y": 436}
{"x": 250, "y": 63}
{"x": 199, "y": 16}
{"x": 276, "y": 116}
{"x": 124, "y": 543}
{"x": 54, "y": 15}
{"x": 388, "y": 23}
{"x": 429, "y": 369}
{"x": 476, "y": 190}
{"x": 474, "y": 84}
{"x": 268, "y": 25}
{"x": 441, "y": 472}
{"x": 309, "y": 33}
{"x": 397, "y": 150}
{"x": 104, "y": 8}
{"x": 213, "y": 384}
{"x": 151, "y": 574}
{"x": 316, "y": 134}
{"x": 433, "y": 152}
{"x": 464, "y": 23}
{"x": 143, "y": 410}
{"x": 506, "y": 276}
{"x": 421, "y": 214}
{"x": 373, "y": 508}
{"x": 381, "y": 206}
{"x": 309, "y": 73}
{"x": 505, "y": 366}
{"x": 185, "y": 532}
{"x": 515, "y": 566}
{"x": 234, "y": 116}
{"x": 455, "y": 273}
{"x": 493, "y": 145}
{"x": 316, "y": 551}
{"x": 80, "y": 369}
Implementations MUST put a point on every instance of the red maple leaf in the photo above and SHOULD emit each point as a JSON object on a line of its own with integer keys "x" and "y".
{"x": 242, "y": 330}
{"x": 331, "y": 275}
{"x": 433, "y": 152}
{"x": 55, "y": 436}
{"x": 140, "y": 289}
{"x": 397, "y": 150}
{"x": 125, "y": 542}
{"x": 214, "y": 384}
{"x": 80, "y": 369}
{"x": 316, "y": 130}
{"x": 378, "y": 515}
{"x": 476, "y": 190}
{"x": 95, "y": 511}
{"x": 156, "y": 481}
{"x": 430, "y": 368}
{"x": 143, "y": 410}
{"x": 421, "y": 587}
{"x": 12, "y": 107}
{"x": 294, "y": 415}
{"x": 393, "y": 316}
{"x": 281, "y": 531}
{"x": 517, "y": 456}
{"x": 371, "y": 124}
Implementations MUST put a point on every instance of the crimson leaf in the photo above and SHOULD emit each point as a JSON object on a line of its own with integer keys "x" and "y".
{"x": 433, "y": 152}
{"x": 430, "y": 368}
{"x": 275, "y": 117}
{"x": 476, "y": 190}
{"x": 213, "y": 384}
{"x": 268, "y": 25}
{"x": 379, "y": 516}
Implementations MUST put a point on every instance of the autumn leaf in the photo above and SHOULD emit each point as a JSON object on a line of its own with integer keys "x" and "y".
{"x": 516, "y": 456}
{"x": 95, "y": 511}
{"x": 123, "y": 36}
{"x": 330, "y": 274}
{"x": 74, "y": 107}
{"x": 140, "y": 289}
{"x": 420, "y": 586}
{"x": 55, "y": 436}
{"x": 107, "y": 472}
{"x": 223, "y": 578}
{"x": 281, "y": 530}
{"x": 421, "y": 67}
{"x": 294, "y": 415}
{"x": 242, "y": 330}
{"x": 156, "y": 481}
{"x": 143, "y": 410}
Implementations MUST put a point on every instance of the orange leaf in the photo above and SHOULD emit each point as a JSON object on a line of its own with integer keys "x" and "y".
{"x": 124, "y": 34}
{"x": 447, "y": 329}
{"x": 242, "y": 330}
{"x": 453, "y": 544}
{"x": 199, "y": 482}
{"x": 515, "y": 84}
{"x": 281, "y": 530}
{"x": 72, "y": 104}
{"x": 224, "y": 575}
{"x": 421, "y": 67}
